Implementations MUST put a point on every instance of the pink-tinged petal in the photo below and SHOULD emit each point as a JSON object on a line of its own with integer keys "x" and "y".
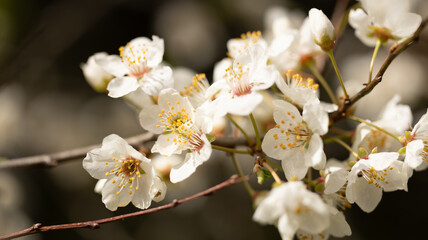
{"x": 112, "y": 64}
{"x": 121, "y": 86}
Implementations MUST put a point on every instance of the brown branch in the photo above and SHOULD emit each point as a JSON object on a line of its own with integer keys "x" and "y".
{"x": 38, "y": 228}
{"x": 53, "y": 159}
{"x": 394, "y": 51}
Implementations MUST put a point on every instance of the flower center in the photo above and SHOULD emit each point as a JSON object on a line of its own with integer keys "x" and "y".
{"x": 197, "y": 88}
{"x": 297, "y": 81}
{"x": 135, "y": 57}
{"x": 195, "y": 141}
{"x": 376, "y": 177}
{"x": 376, "y": 139}
{"x": 245, "y": 41}
{"x": 175, "y": 120}
{"x": 126, "y": 171}
{"x": 292, "y": 135}
{"x": 381, "y": 33}
{"x": 237, "y": 78}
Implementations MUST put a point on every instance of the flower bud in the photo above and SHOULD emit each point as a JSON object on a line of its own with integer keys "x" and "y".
{"x": 96, "y": 76}
{"x": 322, "y": 29}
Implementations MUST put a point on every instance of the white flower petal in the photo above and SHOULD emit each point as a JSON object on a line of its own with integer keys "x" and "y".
{"x": 367, "y": 196}
{"x": 112, "y": 64}
{"x": 165, "y": 145}
{"x": 121, "y": 86}
{"x": 294, "y": 167}
{"x": 315, "y": 156}
{"x": 380, "y": 161}
{"x": 414, "y": 158}
{"x": 287, "y": 227}
{"x": 157, "y": 79}
{"x": 338, "y": 225}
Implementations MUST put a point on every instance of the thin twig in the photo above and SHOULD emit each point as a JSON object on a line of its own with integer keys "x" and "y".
{"x": 394, "y": 51}
{"x": 38, "y": 228}
{"x": 53, "y": 159}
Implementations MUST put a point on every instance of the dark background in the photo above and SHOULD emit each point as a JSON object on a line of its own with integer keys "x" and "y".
{"x": 49, "y": 107}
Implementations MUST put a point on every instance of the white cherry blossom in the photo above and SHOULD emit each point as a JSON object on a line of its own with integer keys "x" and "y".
{"x": 394, "y": 118}
{"x": 181, "y": 128}
{"x": 294, "y": 48}
{"x": 291, "y": 207}
{"x": 238, "y": 86}
{"x": 296, "y": 139}
{"x": 129, "y": 176}
{"x": 138, "y": 66}
{"x": 338, "y": 227}
{"x": 369, "y": 177}
{"x": 383, "y": 20}
{"x": 298, "y": 89}
{"x": 417, "y": 148}
{"x": 237, "y": 46}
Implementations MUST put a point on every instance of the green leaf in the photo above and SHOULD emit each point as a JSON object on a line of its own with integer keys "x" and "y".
{"x": 319, "y": 188}
{"x": 402, "y": 150}
{"x": 262, "y": 175}
{"x": 210, "y": 137}
{"x": 362, "y": 153}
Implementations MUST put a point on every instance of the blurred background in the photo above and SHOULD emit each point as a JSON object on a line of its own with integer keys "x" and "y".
{"x": 47, "y": 106}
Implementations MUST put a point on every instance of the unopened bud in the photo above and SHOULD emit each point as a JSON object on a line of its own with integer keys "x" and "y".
{"x": 322, "y": 29}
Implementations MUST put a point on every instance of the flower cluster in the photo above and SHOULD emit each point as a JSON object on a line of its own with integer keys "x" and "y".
{"x": 263, "y": 82}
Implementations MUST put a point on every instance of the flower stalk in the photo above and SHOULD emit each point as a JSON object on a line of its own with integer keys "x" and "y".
{"x": 376, "y": 50}
{"x": 333, "y": 61}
